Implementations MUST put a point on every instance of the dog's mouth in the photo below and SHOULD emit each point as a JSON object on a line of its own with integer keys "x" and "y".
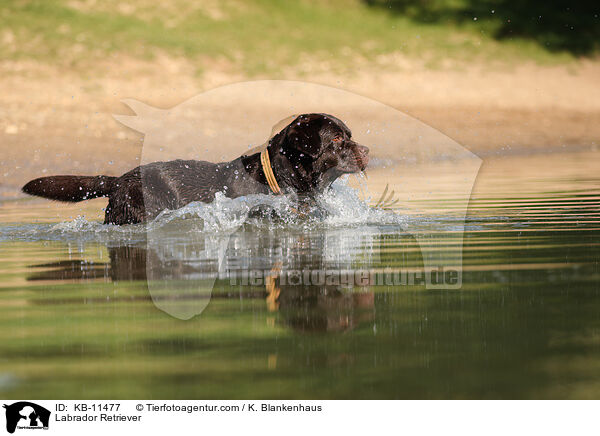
{"x": 362, "y": 163}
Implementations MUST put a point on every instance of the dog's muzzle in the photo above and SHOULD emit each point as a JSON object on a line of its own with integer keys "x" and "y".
{"x": 362, "y": 156}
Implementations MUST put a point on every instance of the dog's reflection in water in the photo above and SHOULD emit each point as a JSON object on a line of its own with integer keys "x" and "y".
{"x": 311, "y": 308}
{"x": 302, "y": 306}
{"x": 328, "y": 309}
{"x": 127, "y": 263}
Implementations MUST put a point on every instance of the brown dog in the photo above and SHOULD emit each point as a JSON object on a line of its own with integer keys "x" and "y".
{"x": 305, "y": 158}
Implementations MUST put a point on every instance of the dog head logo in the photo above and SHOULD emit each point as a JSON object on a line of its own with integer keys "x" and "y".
{"x": 26, "y": 415}
{"x": 216, "y": 126}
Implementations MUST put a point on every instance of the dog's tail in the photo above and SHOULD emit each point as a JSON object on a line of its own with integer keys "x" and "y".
{"x": 71, "y": 188}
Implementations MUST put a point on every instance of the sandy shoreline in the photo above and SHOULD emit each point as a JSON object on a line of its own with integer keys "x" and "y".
{"x": 52, "y": 121}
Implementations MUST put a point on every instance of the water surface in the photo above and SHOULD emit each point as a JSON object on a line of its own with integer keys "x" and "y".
{"x": 93, "y": 311}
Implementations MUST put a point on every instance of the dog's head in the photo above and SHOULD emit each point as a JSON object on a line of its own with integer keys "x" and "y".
{"x": 319, "y": 148}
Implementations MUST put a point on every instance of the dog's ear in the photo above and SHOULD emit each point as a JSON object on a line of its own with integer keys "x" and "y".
{"x": 302, "y": 134}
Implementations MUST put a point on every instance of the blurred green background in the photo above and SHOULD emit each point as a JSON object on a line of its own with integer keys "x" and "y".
{"x": 266, "y": 35}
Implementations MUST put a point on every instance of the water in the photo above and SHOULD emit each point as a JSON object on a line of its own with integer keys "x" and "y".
{"x": 94, "y": 311}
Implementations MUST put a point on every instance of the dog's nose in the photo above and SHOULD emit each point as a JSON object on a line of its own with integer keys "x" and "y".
{"x": 363, "y": 155}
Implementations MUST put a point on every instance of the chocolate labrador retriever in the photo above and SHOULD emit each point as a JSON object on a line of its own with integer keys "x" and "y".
{"x": 304, "y": 158}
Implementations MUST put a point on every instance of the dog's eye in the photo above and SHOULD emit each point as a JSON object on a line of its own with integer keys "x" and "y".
{"x": 337, "y": 139}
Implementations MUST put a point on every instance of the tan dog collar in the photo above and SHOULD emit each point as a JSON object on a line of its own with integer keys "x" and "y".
{"x": 269, "y": 175}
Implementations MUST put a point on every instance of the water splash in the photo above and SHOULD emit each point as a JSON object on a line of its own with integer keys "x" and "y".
{"x": 340, "y": 206}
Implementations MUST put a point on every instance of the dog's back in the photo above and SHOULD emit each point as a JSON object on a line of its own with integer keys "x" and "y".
{"x": 143, "y": 192}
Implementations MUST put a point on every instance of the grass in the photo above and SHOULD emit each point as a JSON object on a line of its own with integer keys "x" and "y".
{"x": 253, "y": 37}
